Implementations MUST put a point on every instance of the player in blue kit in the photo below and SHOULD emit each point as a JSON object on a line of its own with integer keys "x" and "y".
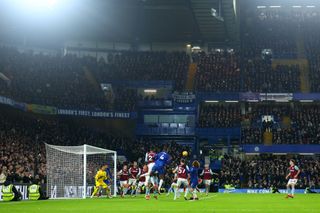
{"x": 161, "y": 160}
{"x": 194, "y": 180}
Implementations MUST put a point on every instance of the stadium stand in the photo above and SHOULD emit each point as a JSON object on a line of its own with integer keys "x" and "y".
{"x": 302, "y": 128}
{"x": 218, "y": 72}
{"x": 128, "y": 65}
{"x": 219, "y": 116}
{"x": 261, "y": 77}
{"x": 48, "y": 80}
{"x": 266, "y": 171}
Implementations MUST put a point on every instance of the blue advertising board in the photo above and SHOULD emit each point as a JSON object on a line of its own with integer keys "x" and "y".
{"x": 261, "y": 191}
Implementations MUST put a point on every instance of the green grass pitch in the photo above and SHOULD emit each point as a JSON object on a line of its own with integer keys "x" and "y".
{"x": 213, "y": 203}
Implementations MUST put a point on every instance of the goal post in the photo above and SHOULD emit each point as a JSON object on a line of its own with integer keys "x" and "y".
{"x": 71, "y": 169}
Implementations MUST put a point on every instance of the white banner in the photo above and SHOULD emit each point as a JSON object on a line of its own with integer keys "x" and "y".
{"x": 279, "y": 97}
{"x": 71, "y": 191}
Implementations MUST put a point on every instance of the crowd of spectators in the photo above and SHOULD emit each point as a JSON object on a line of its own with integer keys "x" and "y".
{"x": 268, "y": 171}
{"x": 289, "y": 123}
{"x": 20, "y": 158}
{"x": 127, "y": 65}
{"x": 48, "y": 80}
{"x": 261, "y": 77}
{"x": 220, "y": 72}
{"x": 125, "y": 99}
{"x": 311, "y": 34}
{"x": 66, "y": 82}
{"x": 297, "y": 124}
{"x": 314, "y": 64}
{"x": 219, "y": 116}
{"x": 217, "y": 72}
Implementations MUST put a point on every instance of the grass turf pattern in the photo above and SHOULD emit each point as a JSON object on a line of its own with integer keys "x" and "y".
{"x": 212, "y": 203}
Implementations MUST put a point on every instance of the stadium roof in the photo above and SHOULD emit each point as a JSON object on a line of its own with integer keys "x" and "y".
{"x": 130, "y": 20}
{"x": 160, "y": 20}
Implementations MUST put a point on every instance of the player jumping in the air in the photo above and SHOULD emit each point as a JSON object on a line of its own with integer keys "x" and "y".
{"x": 149, "y": 159}
{"x": 161, "y": 160}
{"x": 134, "y": 172}
{"x": 100, "y": 178}
{"x": 194, "y": 180}
{"x": 124, "y": 177}
{"x": 182, "y": 174}
{"x": 207, "y": 177}
{"x": 294, "y": 172}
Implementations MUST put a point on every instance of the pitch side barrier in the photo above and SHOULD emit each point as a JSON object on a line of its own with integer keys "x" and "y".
{"x": 261, "y": 191}
{"x": 23, "y": 188}
{"x": 69, "y": 191}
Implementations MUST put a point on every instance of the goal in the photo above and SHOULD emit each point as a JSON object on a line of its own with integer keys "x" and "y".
{"x": 71, "y": 169}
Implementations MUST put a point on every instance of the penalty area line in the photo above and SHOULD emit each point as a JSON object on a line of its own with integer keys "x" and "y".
{"x": 209, "y": 197}
{"x": 205, "y": 198}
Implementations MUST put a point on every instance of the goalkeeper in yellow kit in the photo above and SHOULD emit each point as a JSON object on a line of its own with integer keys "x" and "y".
{"x": 101, "y": 179}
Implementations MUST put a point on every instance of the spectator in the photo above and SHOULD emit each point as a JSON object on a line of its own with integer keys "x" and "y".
{"x": 219, "y": 116}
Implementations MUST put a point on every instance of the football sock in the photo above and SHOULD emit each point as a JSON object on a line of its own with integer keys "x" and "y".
{"x": 160, "y": 184}
{"x": 292, "y": 191}
{"x": 95, "y": 191}
{"x": 186, "y": 192}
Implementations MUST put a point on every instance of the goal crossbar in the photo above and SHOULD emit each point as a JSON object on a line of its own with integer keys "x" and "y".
{"x": 79, "y": 150}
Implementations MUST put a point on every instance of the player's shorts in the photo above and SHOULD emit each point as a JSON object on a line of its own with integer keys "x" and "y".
{"x": 158, "y": 168}
{"x": 292, "y": 181}
{"x": 150, "y": 166}
{"x": 123, "y": 183}
{"x": 194, "y": 184}
{"x": 101, "y": 184}
{"x": 182, "y": 181}
{"x": 207, "y": 182}
{"x": 108, "y": 182}
{"x": 141, "y": 183}
{"x": 154, "y": 180}
{"x": 174, "y": 185}
{"x": 132, "y": 181}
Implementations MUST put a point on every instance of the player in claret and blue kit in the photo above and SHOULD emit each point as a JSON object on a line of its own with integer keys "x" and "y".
{"x": 149, "y": 159}
{"x": 182, "y": 175}
{"x": 207, "y": 174}
{"x": 293, "y": 175}
{"x": 194, "y": 179}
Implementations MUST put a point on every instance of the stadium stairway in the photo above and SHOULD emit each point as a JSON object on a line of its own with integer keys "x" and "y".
{"x": 304, "y": 65}
{"x": 304, "y": 75}
{"x": 267, "y": 138}
{"x": 286, "y": 122}
{"x": 191, "y": 76}
{"x": 89, "y": 76}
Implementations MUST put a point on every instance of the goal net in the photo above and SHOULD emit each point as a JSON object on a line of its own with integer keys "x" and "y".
{"x": 71, "y": 169}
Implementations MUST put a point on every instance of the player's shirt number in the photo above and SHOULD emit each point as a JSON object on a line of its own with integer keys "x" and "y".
{"x": 181, "y": 170}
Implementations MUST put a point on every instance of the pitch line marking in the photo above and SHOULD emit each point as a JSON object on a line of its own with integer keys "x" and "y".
{"x": 205, "y": 198}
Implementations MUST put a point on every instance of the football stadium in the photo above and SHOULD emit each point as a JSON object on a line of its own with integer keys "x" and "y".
{"x": 159, "y": 106}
